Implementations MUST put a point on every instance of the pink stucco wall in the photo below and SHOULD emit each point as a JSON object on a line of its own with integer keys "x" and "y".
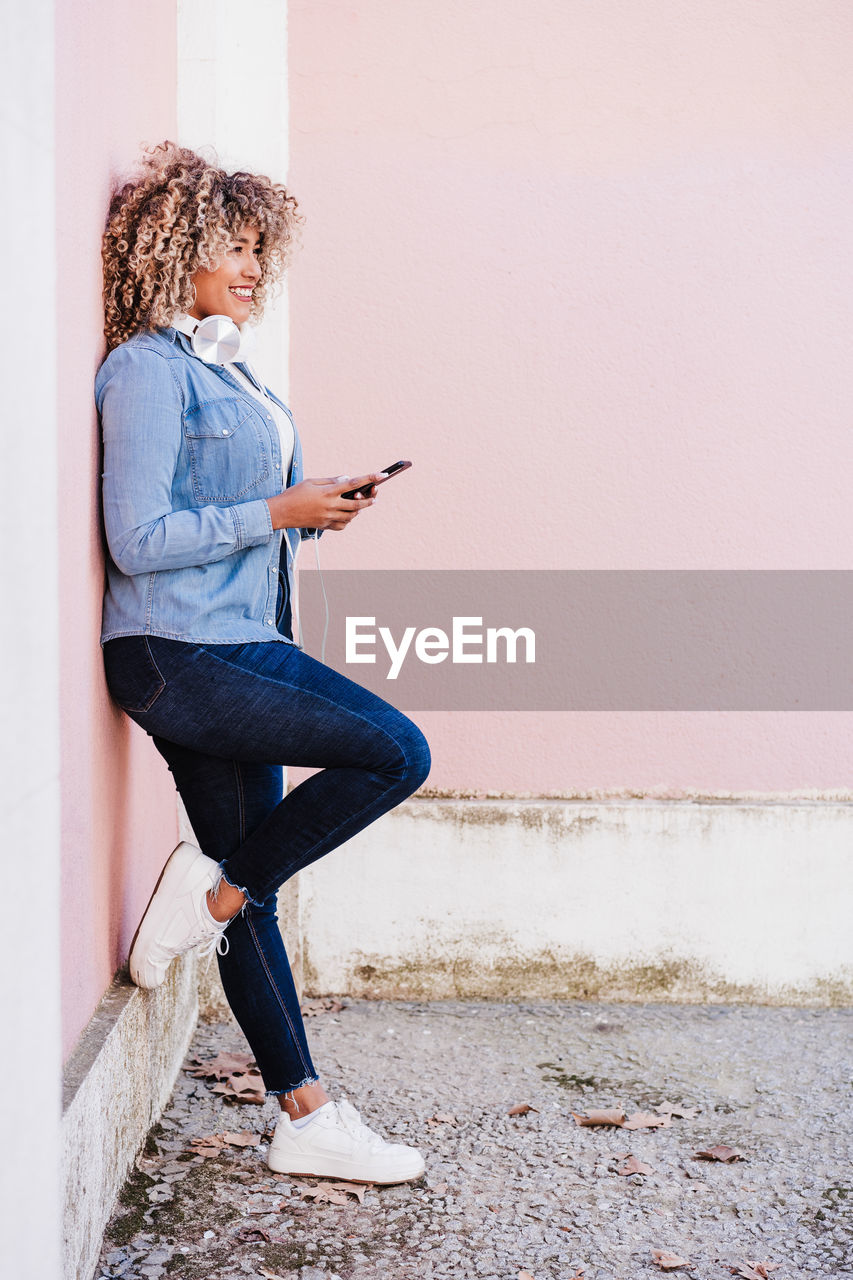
{"x": 587, "y": 265}
{"x": 116, "y": 88}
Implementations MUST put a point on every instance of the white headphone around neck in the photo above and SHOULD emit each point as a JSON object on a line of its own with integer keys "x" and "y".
{"x": 216, "y": 339}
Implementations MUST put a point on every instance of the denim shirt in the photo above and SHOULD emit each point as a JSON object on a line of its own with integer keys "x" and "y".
{"x": 189, "y": 459}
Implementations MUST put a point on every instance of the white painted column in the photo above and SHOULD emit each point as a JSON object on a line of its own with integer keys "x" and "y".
{"x": 232, "y": 95}
{"x": 29, "y": 656}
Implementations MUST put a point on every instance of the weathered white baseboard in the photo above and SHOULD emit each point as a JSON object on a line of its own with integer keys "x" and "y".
{"x": 116, "y": 1084}
{"x": 649, "y": 900}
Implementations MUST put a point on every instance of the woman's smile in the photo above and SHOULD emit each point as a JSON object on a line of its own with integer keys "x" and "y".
{"x": 228, "y": 290}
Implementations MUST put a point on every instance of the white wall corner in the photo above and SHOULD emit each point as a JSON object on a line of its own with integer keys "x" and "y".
{"x": 29, "y": 652}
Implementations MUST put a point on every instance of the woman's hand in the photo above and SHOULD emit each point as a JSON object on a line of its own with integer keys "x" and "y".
{"x": 317, "y": 504}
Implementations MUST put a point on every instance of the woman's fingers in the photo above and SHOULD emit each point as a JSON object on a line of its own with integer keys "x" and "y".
{"x": 349, "y": 483}
{"x": 319, "y": 502}
{"x": 338, "y": 485}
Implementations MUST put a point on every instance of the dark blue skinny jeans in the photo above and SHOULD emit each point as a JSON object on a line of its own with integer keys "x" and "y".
{"x": 226, "y": 717}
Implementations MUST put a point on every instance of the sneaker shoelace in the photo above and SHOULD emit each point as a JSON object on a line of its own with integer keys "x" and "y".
{"x": 207, "y": 941}
{"x": 209, "y": 937}
{"x": 355, "y": 1126}
{"x": 217, "y": 942}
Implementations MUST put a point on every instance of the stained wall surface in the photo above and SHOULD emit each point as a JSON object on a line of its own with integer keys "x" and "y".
{"x": 115, "y": 90}
{"x": 588, "y": 266}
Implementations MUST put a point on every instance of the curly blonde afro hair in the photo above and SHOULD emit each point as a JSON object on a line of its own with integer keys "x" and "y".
{"x": 178, "y": 215}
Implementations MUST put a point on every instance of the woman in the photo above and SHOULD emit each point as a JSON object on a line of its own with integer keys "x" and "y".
{"x": 204, "y": 506}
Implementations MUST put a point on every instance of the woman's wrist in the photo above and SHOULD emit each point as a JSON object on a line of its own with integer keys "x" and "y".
{"x": 278, "y": 512}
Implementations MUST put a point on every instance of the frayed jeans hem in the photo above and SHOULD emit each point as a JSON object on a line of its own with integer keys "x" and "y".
{"x": 279, "y": 1093}
{"x": 250, "y": 901}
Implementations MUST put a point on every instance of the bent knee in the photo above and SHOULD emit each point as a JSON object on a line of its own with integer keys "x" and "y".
{"x": 416, "y": 758}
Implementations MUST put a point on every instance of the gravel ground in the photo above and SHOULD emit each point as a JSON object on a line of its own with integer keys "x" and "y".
{"x": 533, "y": 1193}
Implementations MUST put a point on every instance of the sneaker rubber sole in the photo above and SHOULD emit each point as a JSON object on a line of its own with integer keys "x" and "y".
{"x": 328, "y": 1167}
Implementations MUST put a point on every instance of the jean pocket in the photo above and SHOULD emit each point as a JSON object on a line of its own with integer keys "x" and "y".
{"x": 133, "y": 677}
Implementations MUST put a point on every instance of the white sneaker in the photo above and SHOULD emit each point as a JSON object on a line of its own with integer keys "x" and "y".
{"x": 338, "y": 1144}
{"x": 177, "y": 918}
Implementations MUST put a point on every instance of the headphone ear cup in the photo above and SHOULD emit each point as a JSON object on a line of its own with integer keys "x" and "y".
{"x": 216, "y": 340}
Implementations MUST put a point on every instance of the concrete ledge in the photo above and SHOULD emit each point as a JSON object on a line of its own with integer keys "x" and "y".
{"x": 627, "y": 900}
{"x": 115, "y": 1086}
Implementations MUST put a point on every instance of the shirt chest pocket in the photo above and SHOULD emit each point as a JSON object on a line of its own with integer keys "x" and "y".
{"x": 229, "y": 450}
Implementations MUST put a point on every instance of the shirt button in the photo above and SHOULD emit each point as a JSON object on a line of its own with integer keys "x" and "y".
{"x": 278, "y": 466}
{"x": 269, "y": 417}
{"x": 268, "y": 621}
{"x": 225, "y": 431}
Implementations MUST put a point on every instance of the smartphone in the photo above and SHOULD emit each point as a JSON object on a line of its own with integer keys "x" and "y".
{"x": 393, "y": 470}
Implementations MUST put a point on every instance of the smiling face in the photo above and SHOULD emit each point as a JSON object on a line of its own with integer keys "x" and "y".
{"x": 227, "y": 291}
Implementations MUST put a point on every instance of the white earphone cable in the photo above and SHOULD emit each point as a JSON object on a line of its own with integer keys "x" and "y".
{"x": 296, "y": 616}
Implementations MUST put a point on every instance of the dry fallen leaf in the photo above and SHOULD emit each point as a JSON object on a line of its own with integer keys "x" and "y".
{"x": 668, "y": 1261}
{"x": 647, "y": 1120}
{"x": 245, "y": 1086}
{"x": 526, "y": 1275}
{"x": 754, "y": 1270}
{"x": 324, "y": 1195}
{"x": 722, "y": 1153}
{"x": 209, "y": 1146}
{"x": 335, "y": 1192}
{"x": 633, "y": 1165}
{"x": 242, "y": 1139}
{"x": 615, "y": 1116}
{"x": 684, "y": 1113}
{"x": 311, "y": 1008}
{"x": 441, "y": 1117}
{"x": 270, "y": 1275}
{"x": 246, "y": 1081}
{"x": 222, "y": 1066}
{"x": 521, "y": 1109}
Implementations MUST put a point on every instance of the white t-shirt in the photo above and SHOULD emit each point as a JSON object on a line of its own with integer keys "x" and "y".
{"x": 279, "y": 417}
